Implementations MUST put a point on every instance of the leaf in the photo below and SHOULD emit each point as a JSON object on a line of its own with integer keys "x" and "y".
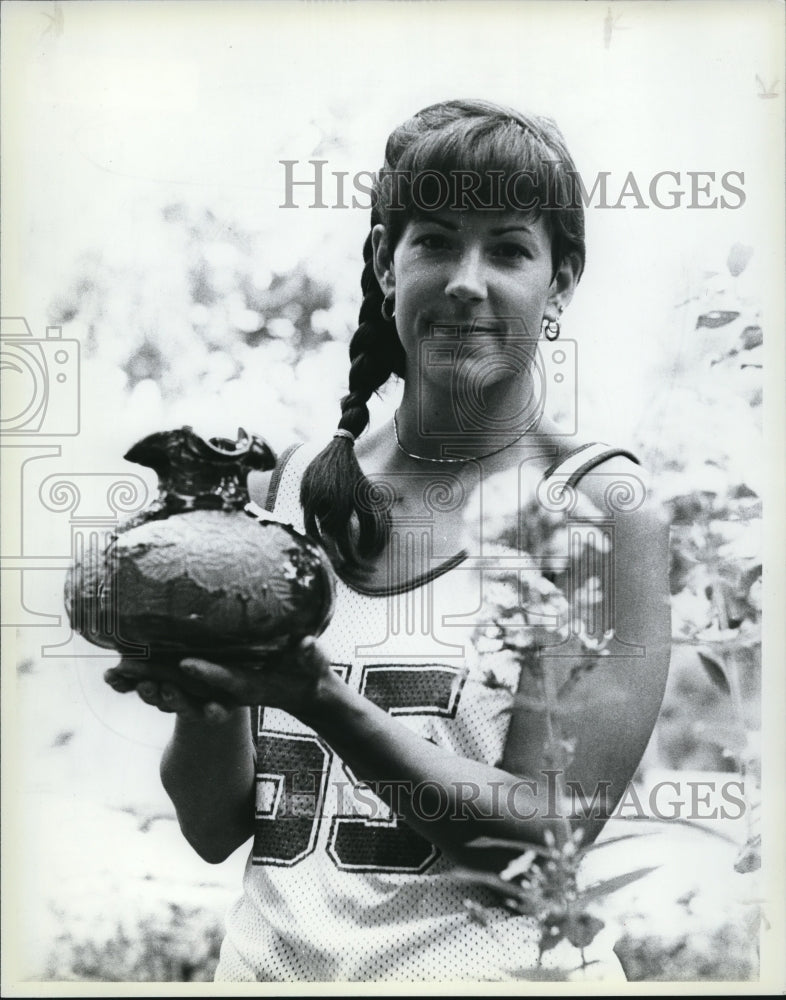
{"x": 504, "y": 844}
{"x": 714, "y": 669}
{"x": 510, "y": 891}
{"x": 477, "y": 913}
{"x": 739, "y": 256}
{"x": 518, "y": 866}
{"x": 742, "y": 490}
{"x": 748, "y": 637}
{"x": 748, "y": 634}
{"x": 577, "y": 672}
{"x": 751, "y": 337}
{"x": 749, "y": 858}
{"x": 491, "y": 681}
{"x": 581, "y": 929}
{"x": 551, "y": 935}
{"x": 716, "y": 318}
{"x": 536, "y": 974}
{"x": 600, "y": 889}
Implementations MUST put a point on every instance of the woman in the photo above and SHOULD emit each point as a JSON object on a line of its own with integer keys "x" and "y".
{"x": 382, "y": 751}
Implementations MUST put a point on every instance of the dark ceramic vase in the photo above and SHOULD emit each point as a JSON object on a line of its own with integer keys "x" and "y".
{"x": 196, "y": 573}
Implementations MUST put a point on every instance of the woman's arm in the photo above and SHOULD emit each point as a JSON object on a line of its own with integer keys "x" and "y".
{"x": 610, "y": 713}
{"x": 412, "y": 775}
{"x": 207, "y": 770}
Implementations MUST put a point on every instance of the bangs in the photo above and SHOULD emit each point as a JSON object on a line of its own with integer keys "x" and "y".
{"x": 474, "y": 164}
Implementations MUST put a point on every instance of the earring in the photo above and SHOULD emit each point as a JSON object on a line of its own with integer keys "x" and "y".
{"x": 388, "y": 315}
{"x": 550, "y": 327}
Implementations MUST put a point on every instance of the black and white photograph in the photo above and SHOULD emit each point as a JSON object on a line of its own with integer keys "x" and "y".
{"x": 391, "y": 437}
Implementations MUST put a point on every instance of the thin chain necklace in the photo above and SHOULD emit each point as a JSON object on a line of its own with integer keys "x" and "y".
{"x": 471, "y": 458}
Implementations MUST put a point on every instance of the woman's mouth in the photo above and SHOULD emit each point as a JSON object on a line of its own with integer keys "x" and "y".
{"x": 467, "y": 328}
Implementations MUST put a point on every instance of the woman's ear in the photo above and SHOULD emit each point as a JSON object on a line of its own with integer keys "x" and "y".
{"x": 383, "y": 259}
{"x": 564, "y": 282}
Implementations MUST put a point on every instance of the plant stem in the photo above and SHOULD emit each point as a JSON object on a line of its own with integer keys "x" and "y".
{"x": 732, "y": 671}
{"x": 553, "y": 747}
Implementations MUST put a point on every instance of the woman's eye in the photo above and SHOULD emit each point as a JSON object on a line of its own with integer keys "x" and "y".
{"x": 512, "y": 251}
{"x": 433, "y": 241}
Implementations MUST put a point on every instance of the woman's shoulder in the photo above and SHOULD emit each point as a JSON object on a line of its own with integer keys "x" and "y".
{"x": 610, "y": 476}
{"x": 611, "y": 485}
{"x": 583, "y": 480}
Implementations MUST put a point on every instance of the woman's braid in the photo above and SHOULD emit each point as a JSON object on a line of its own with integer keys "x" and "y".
{"x": 334, "y": 493}
{"x": 374, "y": 352}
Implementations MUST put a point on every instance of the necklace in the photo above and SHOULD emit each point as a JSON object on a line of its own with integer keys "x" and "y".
{"x": 471, "y": 458}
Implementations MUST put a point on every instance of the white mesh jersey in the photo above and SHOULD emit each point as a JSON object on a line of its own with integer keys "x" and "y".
{"x": 336, "y": 888}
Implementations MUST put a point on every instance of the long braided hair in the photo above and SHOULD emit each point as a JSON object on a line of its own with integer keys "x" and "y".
{"x": 341, "y": 507}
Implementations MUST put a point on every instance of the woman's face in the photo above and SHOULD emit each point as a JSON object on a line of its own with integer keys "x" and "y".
{"x": 482, "y": 276}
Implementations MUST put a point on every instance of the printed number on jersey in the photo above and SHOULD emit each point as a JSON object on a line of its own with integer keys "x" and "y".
{"x": 292, "y": 782}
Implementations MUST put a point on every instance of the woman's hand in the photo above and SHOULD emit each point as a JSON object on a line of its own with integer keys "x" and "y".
{"x": 289, "y": 680}
{"x": 204, "y": 690}
{"x": 164, "y": 688}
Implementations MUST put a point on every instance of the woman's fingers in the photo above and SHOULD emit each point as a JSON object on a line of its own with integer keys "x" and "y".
{"x": 128, "y": 674}
{"x": 203, "y": 689}
{"x": 175, "y": 700}
{"x": 163, "y": 695}
{"x": 283, "y": 678}
{"x": 169, "y": 698}
{"x": 214, "y": 713}
{"x": 150, "y": 692}
{"x": 136, "y": 668}
{"x": 118, "y": 680}
{"x": 172, "y": 699}
{"x": 216, "y": 676}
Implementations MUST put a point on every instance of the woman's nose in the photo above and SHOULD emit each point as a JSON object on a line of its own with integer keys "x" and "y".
{"x": 468, "y": 282}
